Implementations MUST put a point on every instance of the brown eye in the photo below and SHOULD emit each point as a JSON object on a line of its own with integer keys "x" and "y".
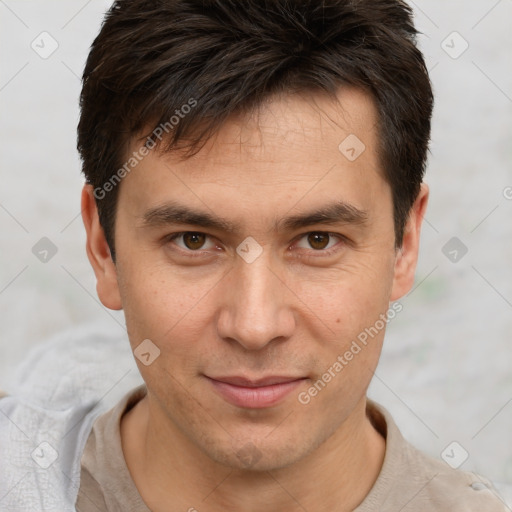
{"x": 191, "y": 243}
{"x": 318, "y": 241}
{"x": 193, "y": 240}
{"x": 317, "y": 244}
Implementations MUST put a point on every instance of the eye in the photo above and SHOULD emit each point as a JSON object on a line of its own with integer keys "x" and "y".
{"x": 191, "y": 241}
{"x": 320, "y": 242}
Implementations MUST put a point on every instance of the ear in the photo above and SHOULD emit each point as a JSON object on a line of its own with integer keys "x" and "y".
{"x": 98, "y": 252}
{"x": 407, "y": 255}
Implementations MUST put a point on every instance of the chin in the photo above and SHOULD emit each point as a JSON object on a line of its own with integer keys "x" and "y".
{"x": 258, "y": 456}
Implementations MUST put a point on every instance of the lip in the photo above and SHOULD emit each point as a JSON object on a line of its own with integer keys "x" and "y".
{"x": 255, "y": 394}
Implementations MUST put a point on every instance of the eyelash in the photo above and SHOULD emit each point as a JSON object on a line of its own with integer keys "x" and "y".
{"x": 200, "y": 253}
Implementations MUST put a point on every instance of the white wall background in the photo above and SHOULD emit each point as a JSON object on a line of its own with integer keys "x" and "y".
{"x": 446, "y": 371}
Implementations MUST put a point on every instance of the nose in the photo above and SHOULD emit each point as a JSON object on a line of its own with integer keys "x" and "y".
{"x": 257, "y": 306}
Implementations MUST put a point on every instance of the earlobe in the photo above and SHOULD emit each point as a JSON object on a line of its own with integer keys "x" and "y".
{"x": 98, "y": 252}
{"x": 407, "y": 255}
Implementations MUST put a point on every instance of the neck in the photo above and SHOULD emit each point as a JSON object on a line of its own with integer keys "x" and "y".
{"x": 167, "y": 468}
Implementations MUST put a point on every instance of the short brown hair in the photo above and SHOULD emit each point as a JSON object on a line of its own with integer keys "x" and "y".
{"x": 151, "y": 57}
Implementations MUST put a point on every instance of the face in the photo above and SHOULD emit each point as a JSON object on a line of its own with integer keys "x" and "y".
{"x": 254, "y": 268}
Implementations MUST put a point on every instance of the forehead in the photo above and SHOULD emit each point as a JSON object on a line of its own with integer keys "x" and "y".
{"x": 292, "y": 148}
{"x": 291, "y": 126}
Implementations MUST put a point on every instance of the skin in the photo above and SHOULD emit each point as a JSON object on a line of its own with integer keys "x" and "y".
{"x": 292, "y": 311}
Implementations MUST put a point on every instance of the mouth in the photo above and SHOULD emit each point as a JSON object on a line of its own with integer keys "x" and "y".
{"x": 257, "y": 393}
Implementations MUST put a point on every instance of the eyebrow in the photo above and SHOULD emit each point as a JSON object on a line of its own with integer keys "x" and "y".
{"x": 338, "y": 212}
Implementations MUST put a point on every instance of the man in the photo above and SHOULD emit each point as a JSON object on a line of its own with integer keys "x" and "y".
{"x": 253, "y": 204}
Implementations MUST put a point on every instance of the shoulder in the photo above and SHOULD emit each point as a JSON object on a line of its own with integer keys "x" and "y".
{"x": 47, "y": 415}
{"x": 411, "y": 480}
{"x": 451, "y": 489}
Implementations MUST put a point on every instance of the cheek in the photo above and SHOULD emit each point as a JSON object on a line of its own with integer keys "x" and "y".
{"x": 160, "y": 300}
{"x": 348, "y": 356}
{"x": 176, "y": 307}
{"x": 345, "y": 301}
{"x": 349, "y": 311}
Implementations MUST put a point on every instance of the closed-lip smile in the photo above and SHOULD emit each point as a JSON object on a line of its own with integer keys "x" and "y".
{"x": 255, "y": 393}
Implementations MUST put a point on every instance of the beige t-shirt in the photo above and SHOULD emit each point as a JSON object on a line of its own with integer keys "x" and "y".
{"x": 409, "y": 481}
